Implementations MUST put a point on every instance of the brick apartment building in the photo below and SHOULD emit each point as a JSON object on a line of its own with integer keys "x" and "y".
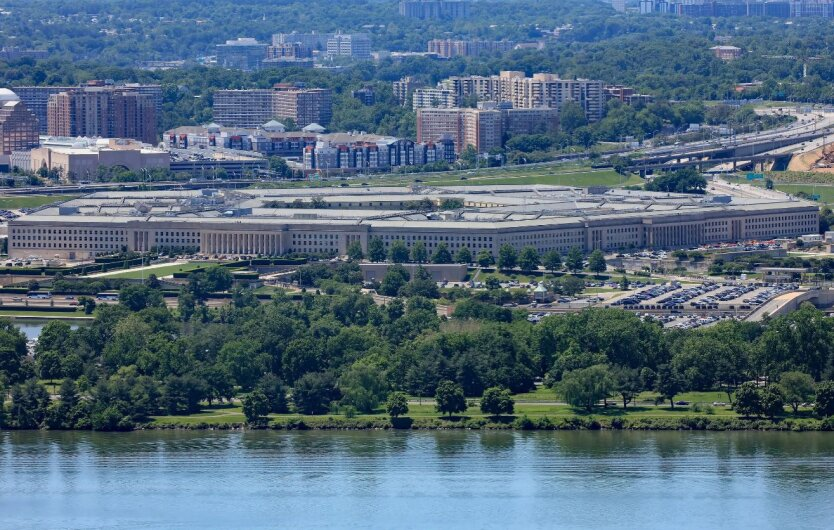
{"x": 107, "y": 112}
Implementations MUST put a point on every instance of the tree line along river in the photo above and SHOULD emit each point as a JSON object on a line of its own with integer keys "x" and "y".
{"x": 458, "y": 479}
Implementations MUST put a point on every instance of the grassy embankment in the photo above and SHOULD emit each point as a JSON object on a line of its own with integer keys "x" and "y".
{"x": 160, "y": 272}
{"x": 534, "y": 410}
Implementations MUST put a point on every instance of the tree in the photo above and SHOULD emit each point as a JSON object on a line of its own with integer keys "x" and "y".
{"x": 797, "y": 388}
{"x": 569, "y": 285}
{"x": 529, "y": 259}
{"x": 313, "y": 392}
{"x": 572, "y": 116}
{"x": 398, "y": 253}
{"x": 449, "y": 398}
{"x": 362, "y": 387}
{"x": 574, "y": 260}
{"x": 485, "y": 258}
{"x": 464, "y": 256}
{"x": 29, "y": 404}
{"x": 771, "y": 401}
{"x": 376, "y": 250}
{"x": 49, "y": 365}
{"x": 507, "y": 256}
{"x": 596, "y": 262}
{"x": 624, "y": 283}
{"x": 88, "y": 303}
{"x": 586, "y": 386}
{"x": 418, "y": 252}
{"x": 397, "y": 404}
{"x": 275, "y": 391}
{"x": 686, "y": 180}
{"x": 552, "y": 260}
{"x": 824, "y": 401}
{"x": 354, "y": 251}
{"x": 255, "y": 407}
{"x": 497, "y": 401}
{"x": 748, "y": 401}
{"x": 627, "y": 383}
{"x": 668, "y": 383}
{"x": 396, "y": 277}
{"x": 441, "y": 254}
{"x": 218, "y": 278}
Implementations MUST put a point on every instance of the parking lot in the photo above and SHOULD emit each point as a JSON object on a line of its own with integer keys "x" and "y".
{"x": 707, "y": 297}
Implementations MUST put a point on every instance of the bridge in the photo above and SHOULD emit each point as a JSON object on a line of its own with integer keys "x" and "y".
{"x": 754, "y": 151}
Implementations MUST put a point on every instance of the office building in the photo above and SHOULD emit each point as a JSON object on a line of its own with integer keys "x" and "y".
{"x": 74, "y": 162}
{"x": 627, "y": 95}
{"x": 268, "y": 222}
{"x": 106, "y": 112}
{"x": 18, "y": 125}
{"x": 354, "y": 46}
{"x": 243, "y": 53}
{"x": 251, "y": 108}
{"x": 434, "y": 9}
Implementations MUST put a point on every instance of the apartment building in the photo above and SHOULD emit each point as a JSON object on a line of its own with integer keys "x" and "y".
{"x": 404, "y": 88}
{"x": 541, "y": 90}
{"x": 253, "y": 107}
{"x": 305, "y": 106}
{"x": 434, "y": 9}
{"x": 107, "y": 112}
{"x": 449, "y": 48}
{"x": 479, "y": 128}
{"x": 18, "y": 125}
{"x": 434, "y": 98}
{"x": 36, "y": 98}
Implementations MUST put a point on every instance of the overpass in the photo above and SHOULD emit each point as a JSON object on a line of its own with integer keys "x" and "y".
{"x": 756, "y": 150}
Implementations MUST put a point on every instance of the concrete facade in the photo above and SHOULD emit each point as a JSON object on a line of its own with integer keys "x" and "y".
{"x": 282, "y": 221}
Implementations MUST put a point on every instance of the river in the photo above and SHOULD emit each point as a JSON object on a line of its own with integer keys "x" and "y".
{"x": 459, "y": 479}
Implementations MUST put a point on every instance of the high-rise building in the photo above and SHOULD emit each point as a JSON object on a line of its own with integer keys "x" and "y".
{"x": 468, "y": 48}
{"x": 434, "y": 9}
{"x": 243, "y": 108}
{"x": 36, "y": 98}
{"x": 541, "y": 90}
{"x": 434, "y": 98}
{"x": 107, "y": 112}
{"x": 404, "y": 88}
{"x": 355, "y": 46}
{"x": 480, "y": 128}
{"x": 243, "y": 53}
{"x": 251, "y": 108}
{"x": 304, "y": 105}
{"x": 18, "y": 125}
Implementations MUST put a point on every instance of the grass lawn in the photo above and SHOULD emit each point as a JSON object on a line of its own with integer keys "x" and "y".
{"x": 233, "y": 413}
{"x": 565, "y": 174}
{"x": 160, "y": 272}
{"x": 31, "y": 201}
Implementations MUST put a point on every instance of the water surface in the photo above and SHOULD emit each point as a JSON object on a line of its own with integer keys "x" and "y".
{"x": 416, "y": 480}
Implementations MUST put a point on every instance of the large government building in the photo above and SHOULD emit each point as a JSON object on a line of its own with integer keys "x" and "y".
{"x": 327, "y": 220}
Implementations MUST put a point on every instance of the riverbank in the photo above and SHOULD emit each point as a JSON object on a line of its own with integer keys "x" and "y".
{"x": 521, "y": 423}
